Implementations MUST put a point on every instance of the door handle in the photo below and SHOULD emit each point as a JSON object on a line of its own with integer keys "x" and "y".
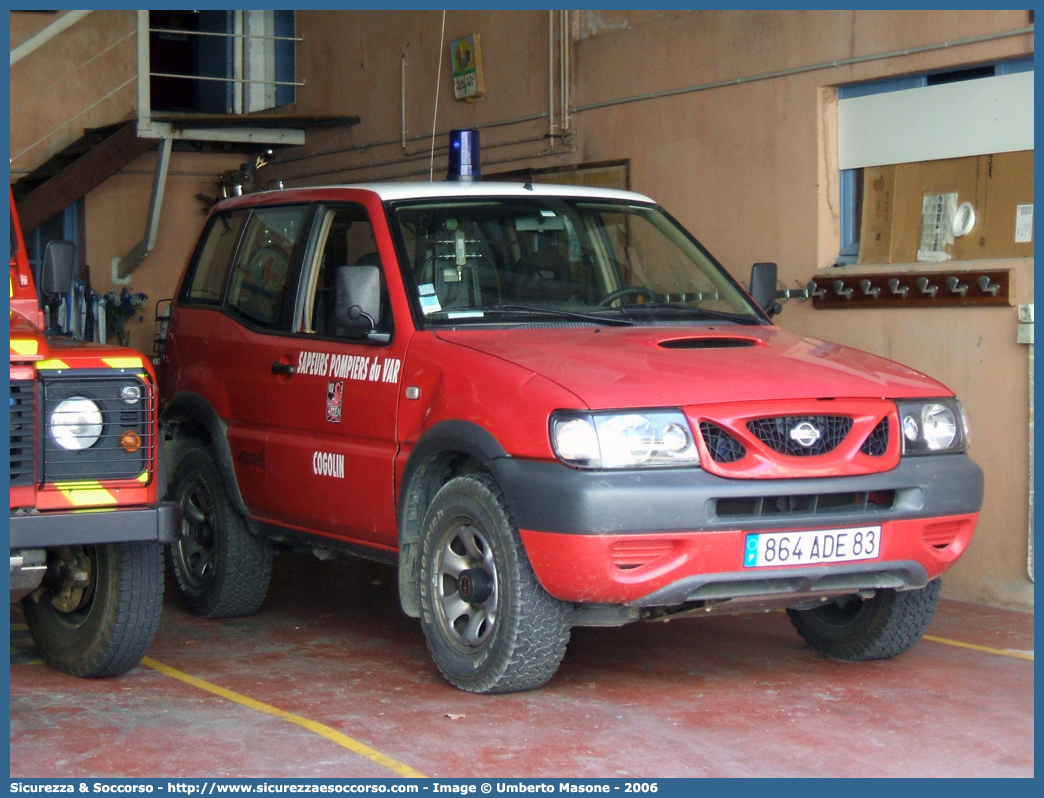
{"x": 283, "y": 368}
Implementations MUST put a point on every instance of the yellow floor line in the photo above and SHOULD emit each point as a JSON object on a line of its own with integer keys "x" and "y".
{"x": 1001, "y": 651}
{"x": 324, "y": 731}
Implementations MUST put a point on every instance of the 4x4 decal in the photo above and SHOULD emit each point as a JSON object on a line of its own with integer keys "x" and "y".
{"x": 251, "y": 458}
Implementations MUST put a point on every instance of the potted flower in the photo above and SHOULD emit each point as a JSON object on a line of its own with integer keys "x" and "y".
{"x": 119, "y": 307}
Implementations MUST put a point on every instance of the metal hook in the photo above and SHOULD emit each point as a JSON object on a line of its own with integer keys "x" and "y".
{"x": 840, "y": 290}
{"x": 987, "y": 288}
{"x": 783, "y": 293}
{"x": 954, "y": 285}
{"x": 893, "y": 286}
{"x": 924, "y": 288}
{"x": 866, "y": 289}
{"x": 814, "y": 290}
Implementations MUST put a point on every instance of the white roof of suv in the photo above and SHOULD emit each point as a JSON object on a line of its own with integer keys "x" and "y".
{"x": 446, "y": 188}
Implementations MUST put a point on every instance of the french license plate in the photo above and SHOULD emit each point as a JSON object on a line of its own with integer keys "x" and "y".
{"x": 812, "y": 547}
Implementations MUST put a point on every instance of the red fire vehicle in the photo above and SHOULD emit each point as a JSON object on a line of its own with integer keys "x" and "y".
{"x": 86, "y": 477}
{"x": 550, "y": 406}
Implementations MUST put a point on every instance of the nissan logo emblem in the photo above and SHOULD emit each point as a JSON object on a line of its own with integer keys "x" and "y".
{"x": 804, "y": 434}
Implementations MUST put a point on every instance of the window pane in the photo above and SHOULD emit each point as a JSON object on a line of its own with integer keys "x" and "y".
{"x": 481, "y": 258}
{"x": 346, "y": 240}
{"x": 208, "y": 279}
{"x": 259, "y": 273}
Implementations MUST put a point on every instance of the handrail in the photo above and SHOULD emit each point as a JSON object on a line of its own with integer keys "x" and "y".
{"x": 224, "y": 80}
{"x": 72, "y": 118}
{"x": 68, "y": 75}
{"x": 227, "y": 35}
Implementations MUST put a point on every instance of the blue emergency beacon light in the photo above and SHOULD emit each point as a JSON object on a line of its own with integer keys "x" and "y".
{"x": 464, "y": 156}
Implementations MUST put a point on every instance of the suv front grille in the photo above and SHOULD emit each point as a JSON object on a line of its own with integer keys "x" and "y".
{"x": 23, "y": 433}
{"x": 776, "y": 433}
{"x": 722, "y": 446}
{"x": 876, "y": 443}
{"x": 106, "y": 459}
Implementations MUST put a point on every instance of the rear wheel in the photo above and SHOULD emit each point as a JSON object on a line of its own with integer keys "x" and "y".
{"x": 98, "y": 607}
{"x": 489, "y": 624}
{"x": 222, "y": 569}
{"x": 856, "y": 629}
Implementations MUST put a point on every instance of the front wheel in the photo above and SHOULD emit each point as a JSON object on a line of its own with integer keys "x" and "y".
{"x": 489, "y": 624}
{"x": 98, "y": 608}
{"x": 222, "y": 569}
{"x": 855, "y": 629}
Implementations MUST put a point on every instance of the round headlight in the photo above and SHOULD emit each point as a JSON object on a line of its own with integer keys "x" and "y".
{"x": 911, "y": 429}
{"x": 676, "y": 438}
{"x": 576, "y": 440}
{"x": 76, "y": 423}
{"x": 130, "y": 394}
{"x": 940, "y": 426}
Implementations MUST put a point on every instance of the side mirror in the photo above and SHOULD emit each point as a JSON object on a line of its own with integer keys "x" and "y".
{"x": 358, "y": 303}
{"x": 56, "y": 273}
{"x": 763, "y": 287}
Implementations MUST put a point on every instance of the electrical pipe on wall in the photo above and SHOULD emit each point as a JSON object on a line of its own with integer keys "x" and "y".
{"x": 551, "y": 76}
{"x": 403, "y": 95}
{"x": 563, "y": 89}
{"x": 1025, "y": 336}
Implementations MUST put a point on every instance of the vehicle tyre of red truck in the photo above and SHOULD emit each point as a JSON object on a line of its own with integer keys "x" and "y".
{"x": 222, "y": 569}
{"x": 489, "y": 624}
{"x": 98, "y": 608}
{"x": 880, "y": 627}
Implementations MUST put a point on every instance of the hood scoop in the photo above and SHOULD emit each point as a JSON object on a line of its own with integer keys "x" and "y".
{"x": 707, "y": 342}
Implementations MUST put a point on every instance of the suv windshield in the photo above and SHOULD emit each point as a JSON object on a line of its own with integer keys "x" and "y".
{"x": 488, "y": 259}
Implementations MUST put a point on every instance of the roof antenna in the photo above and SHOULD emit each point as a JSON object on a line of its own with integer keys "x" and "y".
{"x": 528, "y": 185}
{"x": 435, "y": 116}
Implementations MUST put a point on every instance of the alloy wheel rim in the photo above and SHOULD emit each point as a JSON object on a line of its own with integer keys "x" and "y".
{"x": 196, "y": 549}
{"x": 468, "y": 625}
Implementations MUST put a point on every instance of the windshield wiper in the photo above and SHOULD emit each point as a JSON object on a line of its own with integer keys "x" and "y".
{"x": 565, "y": 314}
{"x": 736, "y": 318}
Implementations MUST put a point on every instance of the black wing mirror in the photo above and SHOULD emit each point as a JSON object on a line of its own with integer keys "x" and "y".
{"x": 358, "y": 303}
{"x": 763, "y": 287}
{"x": 59, "y": 263}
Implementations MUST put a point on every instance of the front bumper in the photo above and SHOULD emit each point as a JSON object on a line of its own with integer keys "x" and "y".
{"x": 160, "y": 523}
{"x": 657, "y": 538}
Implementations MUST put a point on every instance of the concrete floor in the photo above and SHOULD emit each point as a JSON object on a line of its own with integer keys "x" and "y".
{"x": 355, "y": 694}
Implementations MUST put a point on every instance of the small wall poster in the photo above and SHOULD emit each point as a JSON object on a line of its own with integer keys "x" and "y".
{"x": 466, "y": 57}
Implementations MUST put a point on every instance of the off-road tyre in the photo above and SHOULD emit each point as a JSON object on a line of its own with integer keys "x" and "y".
{"x": 527, "y": 638}
{"x": 222, "y": 569}
{"x": 108, "y": 625}
{"x": 877, "y": 628}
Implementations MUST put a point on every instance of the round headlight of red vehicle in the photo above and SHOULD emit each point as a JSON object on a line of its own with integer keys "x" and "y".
{"x": 76, "y": 423}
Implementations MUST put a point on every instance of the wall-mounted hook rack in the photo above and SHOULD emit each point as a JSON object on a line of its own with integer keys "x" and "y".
{"x": 986, "y": 286}
{"x": 911, "y": 290}
{"x": 926, "y": 288}
{"x": 783, "y": 294}
{"x": 954, "y": 285}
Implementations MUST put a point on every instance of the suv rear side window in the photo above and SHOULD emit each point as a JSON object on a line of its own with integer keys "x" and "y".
{"x": 262, "y": 263}
{"x": 208, "y": 278}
